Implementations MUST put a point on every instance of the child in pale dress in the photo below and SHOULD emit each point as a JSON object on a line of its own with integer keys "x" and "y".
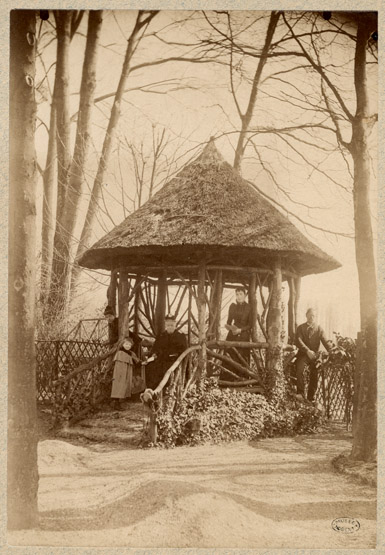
{"x": 122, "y": 378}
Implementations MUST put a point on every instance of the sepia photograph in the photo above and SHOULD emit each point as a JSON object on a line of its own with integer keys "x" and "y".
{"x": 192, "y": 287}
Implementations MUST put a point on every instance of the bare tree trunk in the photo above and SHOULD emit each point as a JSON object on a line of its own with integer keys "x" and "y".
{"x": 246, "y": 117}
{"x": 49, "y": 206}
{"x": 62, "y": 87}
{"x": 142, "y": 20}
{"x": 71, "y": 182}
{"x": 82, "y": 141}
{"x": 365, "y": 436}
{"x": 63, "y": 20}
{"x": 22, "y": 431}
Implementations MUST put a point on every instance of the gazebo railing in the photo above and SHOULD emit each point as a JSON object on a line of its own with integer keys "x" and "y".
{"x": 76, "y": 376}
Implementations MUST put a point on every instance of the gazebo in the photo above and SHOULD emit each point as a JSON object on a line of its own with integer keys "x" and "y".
{"x": 207, "y": 230}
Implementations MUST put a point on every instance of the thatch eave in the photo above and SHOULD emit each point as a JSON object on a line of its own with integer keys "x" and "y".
{"x": 161, "y": 257}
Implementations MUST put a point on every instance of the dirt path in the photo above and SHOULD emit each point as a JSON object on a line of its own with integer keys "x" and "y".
{"x": 272, "y": 493}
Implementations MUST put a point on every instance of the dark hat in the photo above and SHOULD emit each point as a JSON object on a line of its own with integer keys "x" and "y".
{"x": 109, "y": 311}
{"x": 170, "y": 317}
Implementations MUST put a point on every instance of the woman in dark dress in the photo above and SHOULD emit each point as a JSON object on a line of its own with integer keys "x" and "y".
{"x": 239, "y": 328}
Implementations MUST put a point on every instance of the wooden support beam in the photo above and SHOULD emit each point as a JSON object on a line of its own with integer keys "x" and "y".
{"x": 111, "y": 291}
{"x": 215, "y": 306}
{"x": 290, "y": 310}
{"x": 123, "y": 301}
{"x": 218, "y": 303}
{"x": 231, "y": 362}
{"x": 275, "y": 378}
{"x": 275, "y": 321}
{"x": 137, "y": 286}
{"x": 161, "y": 300}
{"x": 189, "y": 315}
{"x": 297, "y": 285}
{"x": 253, "y": 304}
{"x": 191, "y": 268}
{"x": 201, "y": 302}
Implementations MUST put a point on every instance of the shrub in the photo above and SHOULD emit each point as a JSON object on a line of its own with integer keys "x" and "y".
{"x": 209, "y": 414}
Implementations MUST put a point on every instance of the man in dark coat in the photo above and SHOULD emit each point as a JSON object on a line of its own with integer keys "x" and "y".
{"x": 166, "y": 349}
{"x": 309, "y": 337}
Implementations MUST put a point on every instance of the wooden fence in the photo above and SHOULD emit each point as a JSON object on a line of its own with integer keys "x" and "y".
{"x": 72, "y": 390}
{"x": 56, "y": 359}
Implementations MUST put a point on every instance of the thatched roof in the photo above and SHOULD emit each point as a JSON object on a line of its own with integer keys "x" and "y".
{"x": 207, "y": 210}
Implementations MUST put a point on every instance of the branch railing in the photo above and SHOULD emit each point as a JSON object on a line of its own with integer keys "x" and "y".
{"x": 74, "y": 389}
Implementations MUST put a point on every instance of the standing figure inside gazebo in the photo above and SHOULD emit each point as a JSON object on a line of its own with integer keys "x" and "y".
{"x": 239, "y": 323}
{"x": 167, "y": 347}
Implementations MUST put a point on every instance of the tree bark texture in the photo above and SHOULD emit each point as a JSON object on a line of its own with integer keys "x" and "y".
{"x": 22, "y": 429}
{"x": 365, "y": 437}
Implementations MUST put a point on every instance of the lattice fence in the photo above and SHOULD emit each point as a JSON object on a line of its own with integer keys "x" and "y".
{"x": 58, "y": 358}
{"x": 335, "y": 393}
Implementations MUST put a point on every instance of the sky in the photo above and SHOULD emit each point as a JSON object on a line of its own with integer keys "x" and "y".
{"x": 190, "y": 116}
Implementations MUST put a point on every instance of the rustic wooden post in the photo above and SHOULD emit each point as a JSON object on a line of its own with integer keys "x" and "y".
{"x": 297, "y": 286}
{"x": 111, "y": 291}
{"x": 201, "y": 301}
{"x": 153, "y": 431}
{"x": 137, "y": 303}
{"x": 275, "y": 377}
{"x": 189, "y": 315}
{"x": 111, "y": 299}
{"x": 291, "y": 310}
{"x": 123, "y": 303}
{"x": 253, "y": 305}
{"x": 160, "y": 309}
{"x": 215, "y": 306}
{"x": 218, "y": 303}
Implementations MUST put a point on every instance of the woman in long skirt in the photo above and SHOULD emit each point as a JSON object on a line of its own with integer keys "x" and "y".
{"x": 123, "y": 370}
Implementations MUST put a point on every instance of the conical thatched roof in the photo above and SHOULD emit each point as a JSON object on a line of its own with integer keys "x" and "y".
{"x": 207, "y": 210}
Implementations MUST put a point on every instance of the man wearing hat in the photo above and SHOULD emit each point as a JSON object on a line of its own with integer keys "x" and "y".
{"x": 166, "y": 349}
